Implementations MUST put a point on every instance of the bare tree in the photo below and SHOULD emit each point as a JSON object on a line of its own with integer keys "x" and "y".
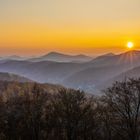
{"x": 123, "y": 98}
{"x": 73, "y": 116}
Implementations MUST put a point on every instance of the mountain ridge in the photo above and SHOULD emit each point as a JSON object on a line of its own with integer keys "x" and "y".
{"x": 60, "y": 57}
{"x": 86, "y": 75}
{"x": 4, "y": 76}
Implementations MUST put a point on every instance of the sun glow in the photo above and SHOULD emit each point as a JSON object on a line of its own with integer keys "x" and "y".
{"x": 130, "y": 45}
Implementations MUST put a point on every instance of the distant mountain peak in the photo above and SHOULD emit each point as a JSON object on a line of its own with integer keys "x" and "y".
{"x": 132, "y": 51}
{"x": 104, "y": 56}
{"x": 60, "y": 57}
{"x": 81, "y": 55}
{"x": 54, "y": 53}
{"x": 109, "y": 54}
{"x": 61, "y": 54}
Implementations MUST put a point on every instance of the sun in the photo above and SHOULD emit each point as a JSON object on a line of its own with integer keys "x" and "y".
{"x": 130, "y": 45}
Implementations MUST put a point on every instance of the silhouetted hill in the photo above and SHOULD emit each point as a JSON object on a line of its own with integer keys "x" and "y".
{"x": 103, "y": 68}
{"x": 127, "y": 58}
{"x": 132, "y": 73}
{"x": 24, "y": 87}
{"x": 59, "y": 57}
{"x": 13, "y": 77}
{"x": 90, "y": 77}
{"x": 44, "y": 71}
{"x": 104, "y": 56}
{"x": 13, "y": 57}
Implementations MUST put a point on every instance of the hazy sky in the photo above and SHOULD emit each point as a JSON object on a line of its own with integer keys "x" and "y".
{"x": 33, "y": 27}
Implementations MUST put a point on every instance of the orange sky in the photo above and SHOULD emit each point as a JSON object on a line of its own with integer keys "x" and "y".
{"x": 77, "y": 26}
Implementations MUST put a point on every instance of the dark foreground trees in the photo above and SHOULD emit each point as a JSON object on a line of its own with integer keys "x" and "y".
{"x": 34, "y": 114}
{"x": 72, "y": 116}
{"x": 29, "y": 112}
{"x": 122, "y": 102}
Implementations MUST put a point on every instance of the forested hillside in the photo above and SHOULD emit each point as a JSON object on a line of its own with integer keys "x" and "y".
{"x": 31, "y": 111}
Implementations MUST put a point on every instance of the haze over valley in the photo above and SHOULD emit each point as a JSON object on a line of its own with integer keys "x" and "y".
{"x": 77, "y": 71}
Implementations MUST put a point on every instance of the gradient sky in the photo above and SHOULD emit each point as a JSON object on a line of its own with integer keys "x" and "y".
{"x": 34, "y": 27}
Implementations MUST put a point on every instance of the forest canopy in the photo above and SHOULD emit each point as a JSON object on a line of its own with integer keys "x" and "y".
{"x": 31, "y": 111}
